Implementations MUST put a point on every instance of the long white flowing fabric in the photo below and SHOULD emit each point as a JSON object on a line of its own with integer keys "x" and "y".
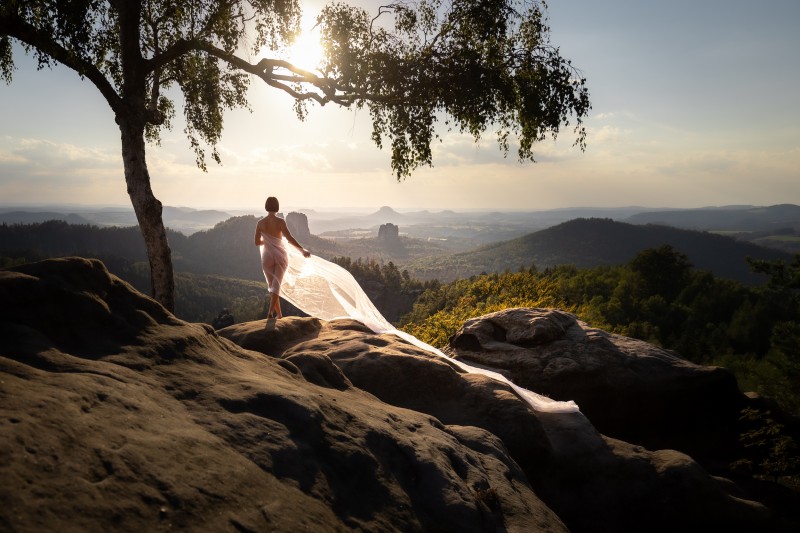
{"x": 327, "y": 291}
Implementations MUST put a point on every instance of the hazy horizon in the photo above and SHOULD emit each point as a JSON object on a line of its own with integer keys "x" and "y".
{"x": 5, "y": 206}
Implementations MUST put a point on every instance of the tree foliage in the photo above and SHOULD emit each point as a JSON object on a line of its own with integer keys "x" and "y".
{"x": 480, "y": 65}
{"x": 770, "y": 452}
{"x": 485, "y": 64}
{"x": 442, "y": 309}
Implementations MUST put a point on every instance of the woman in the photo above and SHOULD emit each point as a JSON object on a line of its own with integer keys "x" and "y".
{"x": 270, "y": 232}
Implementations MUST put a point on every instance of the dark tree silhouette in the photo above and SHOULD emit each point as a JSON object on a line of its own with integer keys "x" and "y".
{"x": 664, "y": 270}
{"x": 478, "y": 64}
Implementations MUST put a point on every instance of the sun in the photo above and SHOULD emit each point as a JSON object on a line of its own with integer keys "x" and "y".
{"x": 306, "y": 51}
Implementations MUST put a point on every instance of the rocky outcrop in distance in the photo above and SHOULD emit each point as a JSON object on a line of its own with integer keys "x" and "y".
{"x": 298, "y": 225}
{"x": 388, "y": 232}
{"x": 118, "y": 416}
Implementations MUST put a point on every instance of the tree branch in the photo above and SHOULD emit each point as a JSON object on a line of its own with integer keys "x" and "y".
{"x": 178, "y": 48}
{"x": 265, "y": 70}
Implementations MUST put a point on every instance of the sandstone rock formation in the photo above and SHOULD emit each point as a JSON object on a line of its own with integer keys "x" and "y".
{"x": 628, "y": 388}
{"x": 115, "y": 415}
{"x": 388, "y": 232}
{"x": 298, "y": 225}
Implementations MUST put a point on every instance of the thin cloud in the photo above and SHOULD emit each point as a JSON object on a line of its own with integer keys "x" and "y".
{"x": 32, "y": 158}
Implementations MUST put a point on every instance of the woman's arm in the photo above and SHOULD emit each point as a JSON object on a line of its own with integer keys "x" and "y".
{"x": 258, "y": 237}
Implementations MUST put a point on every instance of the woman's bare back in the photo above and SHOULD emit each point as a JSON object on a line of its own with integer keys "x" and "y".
{"x": 276, "y": 227}
{"x": 272, "y": 225}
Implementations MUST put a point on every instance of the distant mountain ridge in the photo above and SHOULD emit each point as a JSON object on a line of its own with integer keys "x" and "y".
{"x": 460, "y": 229}
{"x": 36, "y": 217}
{"x": 732, "y": 218}
{"x": 594, "y": 242}
{"x": 183, "y": 219}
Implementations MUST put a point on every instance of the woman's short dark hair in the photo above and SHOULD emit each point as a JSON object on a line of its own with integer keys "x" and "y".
{"x": 272, "y": 204}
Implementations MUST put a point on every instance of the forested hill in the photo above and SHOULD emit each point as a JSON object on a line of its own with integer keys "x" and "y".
{"x": 593, "y": 242}
{"x": 227, "y": 249}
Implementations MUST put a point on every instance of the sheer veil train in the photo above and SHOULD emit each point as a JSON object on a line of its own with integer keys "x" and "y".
{"x": 327, "y": 291}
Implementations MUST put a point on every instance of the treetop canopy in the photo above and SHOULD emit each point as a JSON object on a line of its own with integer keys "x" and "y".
{"x": 477, "y": 65}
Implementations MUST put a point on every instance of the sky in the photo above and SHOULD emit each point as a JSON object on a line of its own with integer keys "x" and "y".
{"x": 694, "y": 103}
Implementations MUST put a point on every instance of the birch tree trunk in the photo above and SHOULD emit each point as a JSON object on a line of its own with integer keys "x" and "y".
{"x": 148, "y": 212}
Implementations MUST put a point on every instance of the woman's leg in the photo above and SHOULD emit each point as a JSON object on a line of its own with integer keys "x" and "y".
{"x": 274, "y": 266}
{"x": 275, "y": 305}
{"x": 269, "y": 277}
{"x": 278, "y": 270}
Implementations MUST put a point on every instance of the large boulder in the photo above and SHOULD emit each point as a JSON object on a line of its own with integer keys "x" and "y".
{"x": 630, "y": 390}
